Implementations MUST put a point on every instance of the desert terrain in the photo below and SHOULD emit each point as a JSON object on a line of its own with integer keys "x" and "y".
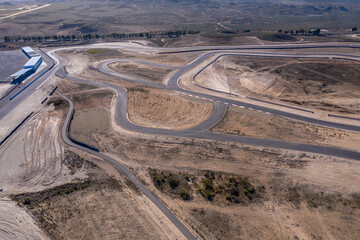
{"x": 321, "y": 84}
{"x": 86, "y": 17}
{"x": 297, "y": 193}
{"x": 59, "y": 182}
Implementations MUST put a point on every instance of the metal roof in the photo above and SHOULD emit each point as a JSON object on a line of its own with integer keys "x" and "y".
{"x": 32, "y": 62}
{"x": 28, "y": 49}
{"x": 20, "y": 73}
{"x": 30, "y": 52}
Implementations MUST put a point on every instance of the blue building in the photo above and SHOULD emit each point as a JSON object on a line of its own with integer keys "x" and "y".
{"x": 21, "y": 75}
{"x": 29, "y": 52}
{"x": 33, "y": 63}
{"x": 29, "y": 68}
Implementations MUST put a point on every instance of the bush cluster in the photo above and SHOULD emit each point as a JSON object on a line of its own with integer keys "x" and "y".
{"x": 235, "y": 189}
{"x": 174, "y": 183}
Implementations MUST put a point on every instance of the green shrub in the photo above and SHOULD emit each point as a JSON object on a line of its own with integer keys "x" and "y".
{"x": 209, "y": 195}
{"x": 208, "y": 184}
{"x": 185, "y": 194}
{"x": 173, "y": 181}
{"x": 27, "y": 201}
{"x": 175, "y": 184}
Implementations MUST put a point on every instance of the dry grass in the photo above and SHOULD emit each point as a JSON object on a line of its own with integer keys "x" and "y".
{"x": 250, "y": 123}
{"x": 305, "y": 195}
{"x": 317, "y": 84}
{"x": 160, "y": 109}
{"x": 142, "y": 71}
{"x": 99, "y": 207}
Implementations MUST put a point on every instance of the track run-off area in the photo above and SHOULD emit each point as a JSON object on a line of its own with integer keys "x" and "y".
{"x": 56, "y": 65}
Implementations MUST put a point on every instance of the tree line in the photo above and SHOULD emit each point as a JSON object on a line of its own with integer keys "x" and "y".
{"x": 303, "y": 31}
{"x": 91, "y": 36}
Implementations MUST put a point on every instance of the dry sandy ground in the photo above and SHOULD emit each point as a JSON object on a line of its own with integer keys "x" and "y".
{"x": 197, "y": 40}
{"x": 254, "y": 124}
{"x": 306, "y": 196}
{"x": 229, "y": 76}
{"x": 17, "y": 114}
{"x": 148, "y": 107}
{"x": 16, "y": 223}
{"x": 161, "y": 109}
{"x": 108, "y": 214}
{"x": 79, "y": 59}
{"x": 104, "y": 206}
{"x": 324, "y": 85}
{"x": 142, "y": 71}
{"x": 32, "y": 159}
{"x": 91, "y": 107}
{"x": 35, "y": 159}
{"x": 291, "y": 182}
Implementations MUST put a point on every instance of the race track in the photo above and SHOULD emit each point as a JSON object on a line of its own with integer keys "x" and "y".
{"x": 56, "y": 66}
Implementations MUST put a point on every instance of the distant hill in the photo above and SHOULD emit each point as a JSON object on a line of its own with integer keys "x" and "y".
{"x": 66, "y": 17}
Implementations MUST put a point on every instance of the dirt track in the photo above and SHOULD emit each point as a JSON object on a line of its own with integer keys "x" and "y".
{"x": 282, "y": 172}
{"x": 16, "y": 223}
{"x": 37, "y": 156}
{"x": 316, "y": 84}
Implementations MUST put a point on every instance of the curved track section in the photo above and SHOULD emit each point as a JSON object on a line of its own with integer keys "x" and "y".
{"x": 201, "y": 131}
{"x": 283, "y": 55}
{"x": 198, "y": 131}
{"x": 121, "y": 168}
{"x": 148, "y": 63}
{"x": 173, "y": 84}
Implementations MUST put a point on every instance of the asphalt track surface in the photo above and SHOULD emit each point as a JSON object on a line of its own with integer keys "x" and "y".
{"x": 199, "y": 132}
{"x": 202, "y": 131}
{"x": 11, "y": 62}
{"x": 259, "y": 47}
{"x": 121, "y": 168}
{"x": 173, "y": 83}
{"x": 23, "y": 90}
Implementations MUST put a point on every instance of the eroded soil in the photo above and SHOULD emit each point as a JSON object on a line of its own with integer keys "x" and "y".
{"x": 251, "y": 123}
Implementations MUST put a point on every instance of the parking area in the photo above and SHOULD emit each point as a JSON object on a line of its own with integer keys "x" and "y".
{"x": 11, "y": 62}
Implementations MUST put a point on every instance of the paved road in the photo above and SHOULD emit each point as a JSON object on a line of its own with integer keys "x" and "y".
{"x": 8, "y": 103}
{"x": 170, "y": 50}
{"x": 259, "y": 47}
{"x": 11, "y": 62}
{"x": 148, "y": 63}
{"x": 283, "y": 55}
{"x": 173, "y": 84}
{"x": 197, "y": 132}
{"x": 121, "y": 168}
{"x": 201, "y": 131}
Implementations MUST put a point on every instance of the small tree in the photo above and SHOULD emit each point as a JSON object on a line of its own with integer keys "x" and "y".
{"x": 317, "y": 31}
